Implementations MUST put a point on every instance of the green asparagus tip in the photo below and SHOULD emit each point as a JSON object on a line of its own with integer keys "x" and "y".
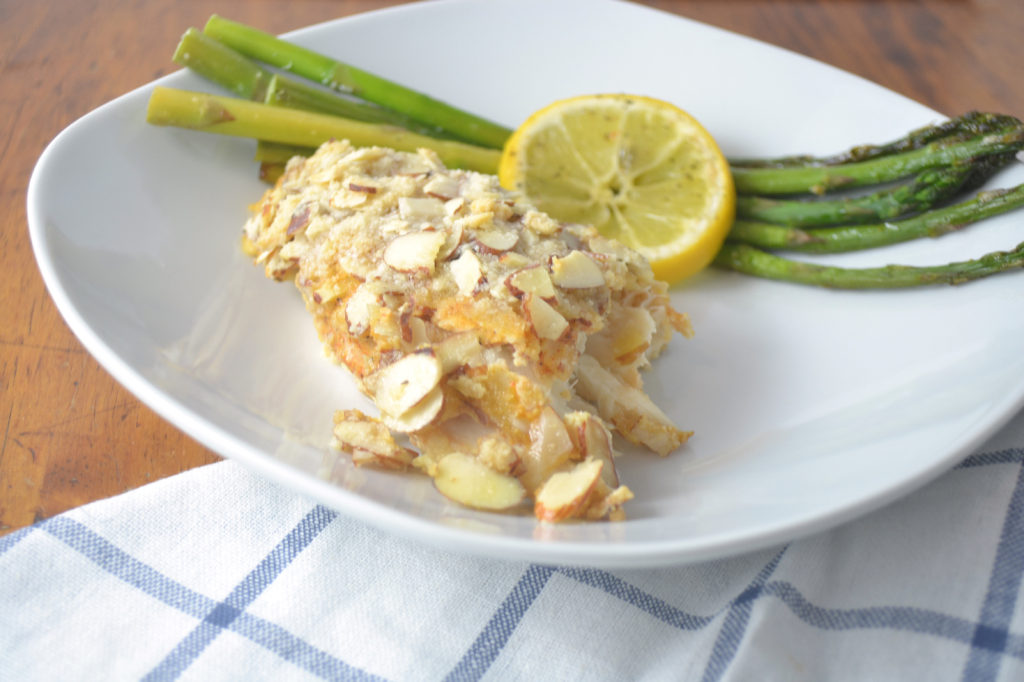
{"x": 754, "y": 261}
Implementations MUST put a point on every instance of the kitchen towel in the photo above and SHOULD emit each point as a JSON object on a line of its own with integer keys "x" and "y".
{"x": 218, "y": 574}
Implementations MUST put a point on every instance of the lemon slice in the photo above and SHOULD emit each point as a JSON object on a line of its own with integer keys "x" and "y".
{"x": 638, "y": 169}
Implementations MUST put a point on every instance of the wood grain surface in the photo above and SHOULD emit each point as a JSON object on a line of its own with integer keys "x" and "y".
{"x": 70, "y": 434}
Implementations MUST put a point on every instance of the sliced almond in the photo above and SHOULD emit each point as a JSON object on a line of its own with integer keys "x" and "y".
{"x": 515, "y": 261}
{"x": 634, "y": 329}
{"x": 550, "y": 448}
{"x": 414, "y": 329}
{"x": 419, "y": 415}
{"x": 458, "y": 350}
{"x": 576, "y": 271}
{"x": 532, "y": 280}
{"x": 364, "y": 188}
{"x": 497, "y": 241}
{"x": 452, "y": 240}
{"x": 359, "y": 310}
{"x": 596, "y": 443}
{"x": 402, "y": 384}
{"x": 299, "y": 219}
{"x": 442, "y": 186}
{"x": 546, "y": 321}
{"x": 609, "y": 505}
{"x": 453, "y": 206}
{"x": 467, "y": 272}
{"x": 564, "y": 494}
{"x": 349, "y": 199}
{"x": 470, "y": 482}
{"x": 369, "y": 442}
{"x": 626, "y": 337}
{"x": 419, "y": 208}
{"x": 414, "y": 250}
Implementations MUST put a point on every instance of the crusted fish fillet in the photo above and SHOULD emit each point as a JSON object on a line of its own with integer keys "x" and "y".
{"x": 500, "y": 346}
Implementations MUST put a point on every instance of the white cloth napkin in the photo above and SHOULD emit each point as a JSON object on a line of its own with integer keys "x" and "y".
{"x": 216, "y": 574}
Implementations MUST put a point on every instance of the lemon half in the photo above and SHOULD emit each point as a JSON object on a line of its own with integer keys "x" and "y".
{"x": 638, "y": 169}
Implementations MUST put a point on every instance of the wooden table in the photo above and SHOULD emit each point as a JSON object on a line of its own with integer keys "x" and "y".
{"x": 71, "y": 434}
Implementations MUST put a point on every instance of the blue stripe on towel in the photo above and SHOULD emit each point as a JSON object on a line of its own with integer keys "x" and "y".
{"x": 1008, "y": 456}
{"x": 489, "y": 643}
{"x": 122, "y": 565}
{"x": 297, "y": 651}
{"x": 155, "y": 584}
{"x": 905, "y": 618}
{"x": 731, "y": 634}
{"x": 634, "y": 596}
{"x": 11, "y": 539}
{"x": 991, "y": 634}
{"x": 988, "y": 639}
{"x": 224, "y": 613}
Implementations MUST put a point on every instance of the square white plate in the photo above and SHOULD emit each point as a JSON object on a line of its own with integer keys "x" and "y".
{"x": 809, "y": 406}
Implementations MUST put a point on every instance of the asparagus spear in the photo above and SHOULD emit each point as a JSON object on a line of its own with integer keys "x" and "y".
{"x": 971, "y": 124}
{"x": 933, "y": 223}
{"x": 277, "y": 152}
{"x": 219, "y": 63}
{"x": 926, "y": 189}
{"x": 818, "y": 180}
{"x": 222, "y": 65}
{"x": 929, "y": 188}
{"x": 340, "y": 76}
{"x": 751, "y": 260}
{"x": 231, "y": 116}
{"x": 285, "y": 92}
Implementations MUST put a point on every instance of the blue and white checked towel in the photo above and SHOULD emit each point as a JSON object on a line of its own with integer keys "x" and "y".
{"x": 216, "y": 574}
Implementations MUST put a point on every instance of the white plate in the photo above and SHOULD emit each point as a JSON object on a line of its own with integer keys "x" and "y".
{"x": 810, "y": 406}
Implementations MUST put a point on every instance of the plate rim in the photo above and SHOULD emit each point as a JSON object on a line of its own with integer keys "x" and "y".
{"x": 592, "y": 553}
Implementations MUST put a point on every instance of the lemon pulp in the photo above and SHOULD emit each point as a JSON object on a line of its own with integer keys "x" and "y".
{"x": 638, "y": 169}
